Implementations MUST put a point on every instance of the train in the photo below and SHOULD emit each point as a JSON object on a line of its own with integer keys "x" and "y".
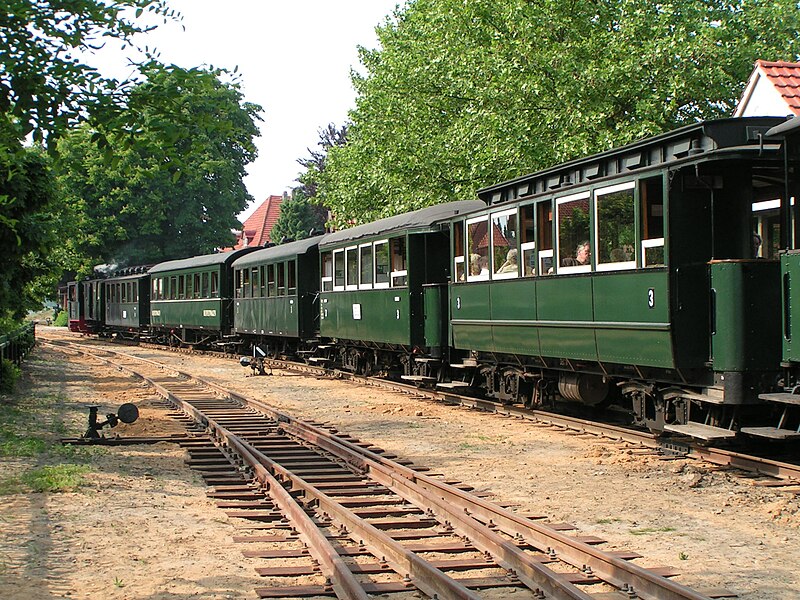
{"x": 661, "y": 276}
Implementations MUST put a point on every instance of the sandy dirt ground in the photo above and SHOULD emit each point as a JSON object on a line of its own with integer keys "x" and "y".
{"x": 142, "y": 527}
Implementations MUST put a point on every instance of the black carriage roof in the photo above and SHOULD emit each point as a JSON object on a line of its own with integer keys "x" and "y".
{"x": 207, "y": 260}
{"x": 283, "y": 251}
{"x": 418, "y": 219}
{"x": 691, "y": 141}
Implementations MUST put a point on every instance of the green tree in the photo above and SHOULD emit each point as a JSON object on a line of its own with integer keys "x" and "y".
{"x": 298, "y": 217}
{"x": 45, "y": 88}
{"x": 170, "y": 186}
{"x": 463, "y": 95}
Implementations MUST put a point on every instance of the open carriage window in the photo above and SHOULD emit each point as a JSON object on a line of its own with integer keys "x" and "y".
{"x": 527, "y": 238}
{"x": 351, "y": 255}
{"x": 398, "y": 256}
{"x": 544, "y": 227}
{"x": 255, "y": 277}
{"x": 281, "y": 276}
{"x": 478, "y": 249}
{"x": 615, "y": 242}
{"x": 196, "y": 285}
{"x": 215, "y": 285}
{"x": 572, "y": 221}
{"x": 338, "y": 270}
{"x": 651, "y": 192}
{"x": 246, "y": 283}
{"x": 327, "y": 271}
{"x": 204, "y": 293}
{"x": 270, "y": 281}
{"x": 382, "y": 265}
{"x": 505, "y": 262}
{"x": 365, "y": 266}
{"x": 459, "y": 262}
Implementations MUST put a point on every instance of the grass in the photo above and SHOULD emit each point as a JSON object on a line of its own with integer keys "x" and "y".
{"x": 30, "y": 428}
{"x": 50, "y": 478}
{"x": 607, "y": 521}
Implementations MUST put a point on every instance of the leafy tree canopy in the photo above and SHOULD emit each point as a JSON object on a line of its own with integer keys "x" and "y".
{"x": 298, "y": 217}
{"x": 170, "y": 185}
{"x": 465, "y": 94}
{"x": 46, "y": 87}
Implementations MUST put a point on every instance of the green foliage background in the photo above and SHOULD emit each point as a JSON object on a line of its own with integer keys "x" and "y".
{"x": 465, "y": 94}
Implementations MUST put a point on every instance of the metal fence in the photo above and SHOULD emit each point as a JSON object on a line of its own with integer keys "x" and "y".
{"x": 16, "y": 345}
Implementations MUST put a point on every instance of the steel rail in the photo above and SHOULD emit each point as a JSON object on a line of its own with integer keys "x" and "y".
{"x": 344, "y": 583}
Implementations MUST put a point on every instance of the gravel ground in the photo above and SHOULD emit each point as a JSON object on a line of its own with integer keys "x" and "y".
{"x": 122, "y": 535}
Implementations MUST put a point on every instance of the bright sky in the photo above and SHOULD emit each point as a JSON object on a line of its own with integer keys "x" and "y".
{"x": 294, "y": 59}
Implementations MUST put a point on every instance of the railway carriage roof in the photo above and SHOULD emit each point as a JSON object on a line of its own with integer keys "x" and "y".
{"x": 418, "y": 219}
{"x": 283, "y": 251}
{"x": 207, "y": 260}
{"x": 691, "y": 142}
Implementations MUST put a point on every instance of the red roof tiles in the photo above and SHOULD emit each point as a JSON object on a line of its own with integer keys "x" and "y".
{"x": 257, "y": 227}
{"x": 785, "y": 76}
{"x": 773, "y": 88}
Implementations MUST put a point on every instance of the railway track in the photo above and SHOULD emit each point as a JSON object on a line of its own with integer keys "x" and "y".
{"x": 359, "y": 523}
{"x": 785, "y": 474}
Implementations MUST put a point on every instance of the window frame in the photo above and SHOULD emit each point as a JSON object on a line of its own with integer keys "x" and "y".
{"x": 611, "y": 189}
{"x": 366, "y": 286}
{"x": 467, "y": 247}
{"x": 340, "y": 288}
{"x": 347, "y": 285}
{"x": 376, "y": 285}
{"x": 585, "y": 195}
{"x": 326, "y": 278}
{"x": 403, "y": 272}
{"x": 508, "y": 212}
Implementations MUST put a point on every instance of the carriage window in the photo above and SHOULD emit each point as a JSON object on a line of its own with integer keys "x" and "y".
{"x": 135, "y": 291}
{"x": 327, "y": 271}
{"x": 205, "y": 286}
{"x": 652, "y": 217}
{"x": 255, "y": 280}
{"x": 459, "y": 266}
{"x": 544, "y": 227}
{"x": 154, "y": 293}
{"x": 246, "y": 291}
{"x": 291, "y": 277}
{"x": 398, "y": 256}
{"x": 238, "y": 283}
{"x": 352, "y": 267}
{"x": 196, "y": 285}
{"x": 504, "y": 244}
{"x": 160, "y": 288}
{"x": 365, "y": 264}
{"x": 270, "y": 281}
{"x": 281, "y": 272}
{"x": 478, "y": 248}
{"x": 215, "y": 285}
{"x": 188, "y": 286}
{"x": 173, "y": 288}
{"x": 338, "y": 270}
{"x": 382, "y": 264}
{"x": 527, "y": 240}
{"x": 109, "y": 288}
{"x": 615, "y": 225}
{"x": 572, "y": 218}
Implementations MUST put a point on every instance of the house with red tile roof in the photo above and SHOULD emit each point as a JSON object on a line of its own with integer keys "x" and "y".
{"x": 257, "y": 227}
{"x": 772, "y": 90}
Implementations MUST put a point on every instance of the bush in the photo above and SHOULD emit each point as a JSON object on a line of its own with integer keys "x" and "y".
{"x": 9, "y": 373}
{"x": 62, "y": 319}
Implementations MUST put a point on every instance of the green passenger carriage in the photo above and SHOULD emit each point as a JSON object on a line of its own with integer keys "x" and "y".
{"x": 277, "y": 297}
{"x": 85, "y": 305}
{"x": 127, "y": 302}
{"x": 629, "y": 272}
{"x": 383, "y": 291}
{"x": 191, "y": 300}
